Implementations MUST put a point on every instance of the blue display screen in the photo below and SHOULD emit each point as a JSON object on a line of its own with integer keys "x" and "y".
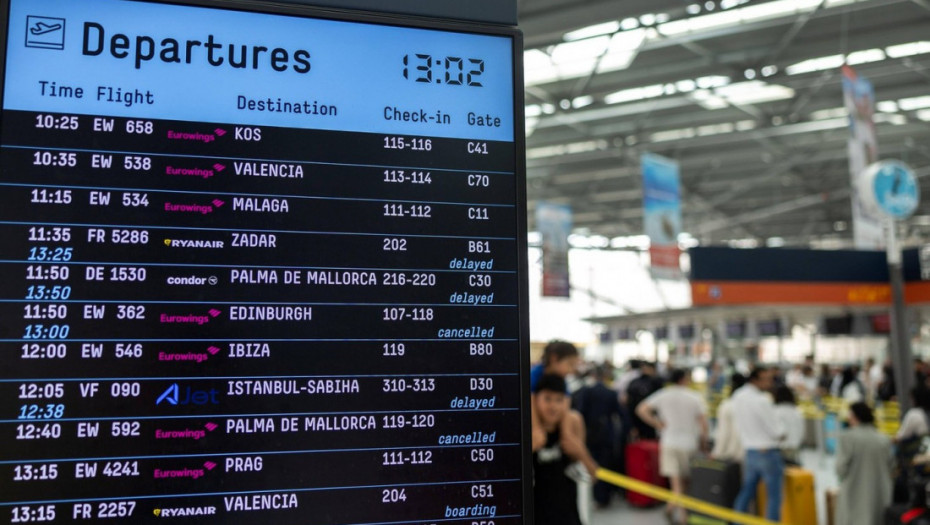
{"x": 186, "y": 63}
{"x": 260, "y": 265}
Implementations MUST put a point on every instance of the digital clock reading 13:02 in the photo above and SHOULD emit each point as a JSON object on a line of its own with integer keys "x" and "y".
{"x": 452, "y": 71}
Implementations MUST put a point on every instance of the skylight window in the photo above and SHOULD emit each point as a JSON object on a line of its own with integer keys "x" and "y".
{"x": 816, "y": 64}
{"x": 910, "y": 104}
{"x": 909, "y": 49}
{"x": 606, "y": 28}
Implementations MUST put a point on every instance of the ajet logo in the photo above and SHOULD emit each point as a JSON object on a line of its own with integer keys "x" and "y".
{"x": 174, "y": 395}
{"x": 45, "y": 32}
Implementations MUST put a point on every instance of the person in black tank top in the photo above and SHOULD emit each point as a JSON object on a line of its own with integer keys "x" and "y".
{"x": 555, "y": 494}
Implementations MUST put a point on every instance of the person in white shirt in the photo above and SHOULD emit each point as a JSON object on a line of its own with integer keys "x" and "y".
{"x": 871, "y": 378}
{"x": 727, "y": 445}
{"x": 680, "y": 416}
{"x": 795, "y": 377}
{"x": 761, "y": 433}
{"x": 786, "y": 409}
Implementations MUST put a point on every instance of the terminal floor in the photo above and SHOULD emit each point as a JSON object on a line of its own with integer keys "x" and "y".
{"x": 619, "y": 513}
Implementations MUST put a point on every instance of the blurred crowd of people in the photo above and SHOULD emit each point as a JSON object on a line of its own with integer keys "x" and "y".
{"x": 587, "y": 414}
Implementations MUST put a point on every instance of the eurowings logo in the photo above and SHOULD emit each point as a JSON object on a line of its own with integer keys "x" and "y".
{"x": 170, "y": 395}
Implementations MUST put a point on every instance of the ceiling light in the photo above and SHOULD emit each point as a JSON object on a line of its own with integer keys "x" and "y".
{"x": 606, "y": 28}
{"x": 662, "y": 18}
{"x": 777, "y": 9}
{"x": 909, "y": 49}
{"x": 768, "y": 71}
{"x": 629, "y": 23}
{"x": 894, "y": 119}
{"x": 746, "y": 125}
{"x": 865, "y": 57}
{"x": 825, "y": 114}
{"x": 708, "y": 100}
{"x": 815, "y": 64}
{"x": 754, "y": 92}
{"x": 582, "y": 101}
{"x": 672, "y": 135}
{"x": 749, "y": 74}
{"x": 686, "y": 86}
{"x": 924, "y": 115}
{"x": 887, "y": 106}
{"x": 532, "y": 111}
{"x": 910, "y": 104}
{"x": 693, "y": 9}
{"x": 775, "y": 242}
{"x": 633, "y": 94}
{"x": 548, "y": 109}
{"x": 715, "y": 129}
{"x": 712, "y": 103}
{"x": 712, "y": 81}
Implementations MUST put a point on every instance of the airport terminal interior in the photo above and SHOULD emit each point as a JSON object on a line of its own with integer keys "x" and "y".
{"x": 747, "y": 99}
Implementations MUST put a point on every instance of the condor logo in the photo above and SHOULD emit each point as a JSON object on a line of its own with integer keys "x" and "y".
{"x": 174, "y": 395}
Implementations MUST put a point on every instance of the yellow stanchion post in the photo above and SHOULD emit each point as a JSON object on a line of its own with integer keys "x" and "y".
{"x": 687, "y": 502}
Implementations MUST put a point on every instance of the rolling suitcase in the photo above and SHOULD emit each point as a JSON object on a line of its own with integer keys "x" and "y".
{"x": 714, "y": 481}
{"x": 906, "y": 515}
{"x": 831, "y": 429}
{"x": 642, "y": 463}
{"x": 799, "y": 500}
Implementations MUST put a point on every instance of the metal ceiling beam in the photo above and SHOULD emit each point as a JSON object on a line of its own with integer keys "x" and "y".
{"x": 792, "y": 33}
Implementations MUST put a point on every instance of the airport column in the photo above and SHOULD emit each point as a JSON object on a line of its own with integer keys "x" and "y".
{"x": 901, "y": 355}
{"x": 891, "y": 191}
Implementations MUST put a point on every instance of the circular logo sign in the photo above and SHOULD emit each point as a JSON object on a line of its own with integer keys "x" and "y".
{"x": 893, "y": 187}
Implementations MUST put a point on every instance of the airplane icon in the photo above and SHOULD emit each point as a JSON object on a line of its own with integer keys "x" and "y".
{"x": 42, "y": 28}
{"x": 45, "y": 32}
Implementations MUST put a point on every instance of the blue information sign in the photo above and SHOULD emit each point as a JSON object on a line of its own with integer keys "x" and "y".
{"x": 894, "y": 187}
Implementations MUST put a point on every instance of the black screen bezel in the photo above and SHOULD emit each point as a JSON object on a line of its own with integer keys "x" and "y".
{"x": 519, "y": 139}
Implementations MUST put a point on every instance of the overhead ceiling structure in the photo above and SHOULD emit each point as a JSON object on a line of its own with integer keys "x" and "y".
{"x": 745, "y": 94}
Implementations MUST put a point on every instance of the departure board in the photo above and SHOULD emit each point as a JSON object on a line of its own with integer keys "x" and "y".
{"x": 261, "y": 264}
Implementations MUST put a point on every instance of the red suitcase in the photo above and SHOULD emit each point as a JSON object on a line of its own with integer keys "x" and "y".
{"x": 642, "y": 463}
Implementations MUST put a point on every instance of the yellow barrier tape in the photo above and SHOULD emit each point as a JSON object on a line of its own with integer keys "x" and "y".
{"x": 687, "y": 502}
